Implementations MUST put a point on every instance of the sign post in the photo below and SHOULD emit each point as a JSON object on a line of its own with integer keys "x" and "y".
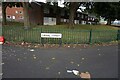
{"x": 51, "y": 35}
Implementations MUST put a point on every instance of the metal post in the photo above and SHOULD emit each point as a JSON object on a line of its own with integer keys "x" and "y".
{"x": 60, "y": 41}
{"x": 90, "y": 37}
{"x": 118, "y": 35}
{"x": 41, "y": 38}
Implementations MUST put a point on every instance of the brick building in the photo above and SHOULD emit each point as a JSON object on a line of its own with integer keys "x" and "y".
{"x": 14, "y": 14}
{"x": 0, "y": 13}
{"x": 43, "y": 15}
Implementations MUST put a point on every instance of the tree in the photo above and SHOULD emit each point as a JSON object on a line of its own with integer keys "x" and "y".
{"x": 4, "y": 6}
{"x": 56, "y": 9}
{"x": 73, "y": 7}
{"x": 26, "y": 15}
{"x": 70, "y": 6}
{"x": 25, "y": 6}
{"x": 108, "y": 10}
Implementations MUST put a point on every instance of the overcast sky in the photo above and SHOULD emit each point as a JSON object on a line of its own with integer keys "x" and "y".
{"x": 60, "y": 3}
{"x": 41, "y": 0}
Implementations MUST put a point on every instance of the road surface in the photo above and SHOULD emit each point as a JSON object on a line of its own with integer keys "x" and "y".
{"x": 20, "y": 62}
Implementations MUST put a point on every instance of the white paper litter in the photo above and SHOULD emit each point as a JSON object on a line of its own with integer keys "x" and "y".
{"x": 69, "y": 71}
{"x": 32, "y": 50}
{"x": 75, "y": 72}
{"x": 1, "y": 74}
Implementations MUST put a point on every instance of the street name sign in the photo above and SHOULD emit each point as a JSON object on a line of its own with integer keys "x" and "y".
{"x": 51, "y": 35}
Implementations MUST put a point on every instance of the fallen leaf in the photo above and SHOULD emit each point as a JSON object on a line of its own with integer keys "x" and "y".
{"x": 35, "y": 57}
{"x": 22, "y": 43}
{"x": 32, "y": 50}
{"x": 53, "y": 58}
{"x": 98, "y": 49}
{"x": 18, "y": 59}
{"x": 71, "y": 62}
{"x": 47, "y": 68}
{"x": 85, "y": 75}
{"x": 68, "y": 46}
{"x": 83, "y": 58}
{"x": 36, "y": 46}
{"x": 1, "y": 74}
{"x": 29, "y": 46}
{"x": 2, "y": 63}
{"x": 86, "y": 72}
{"x": 59, "y": 73}
{"x": 78, "y": 65}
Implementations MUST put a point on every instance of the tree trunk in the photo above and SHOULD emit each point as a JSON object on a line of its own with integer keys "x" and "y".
{"x": 80, "y": 20}
{"x": 58, "y": 17}
{"x": 26, "y": 15}
{"x": 42, "y": 15}
{"x": 4, "y": 6}
{"x": 73, "y": 8}
{"x": 109, "y": 22}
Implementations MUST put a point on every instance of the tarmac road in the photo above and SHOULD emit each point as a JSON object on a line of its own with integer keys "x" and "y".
{"x": 20, "y": 62}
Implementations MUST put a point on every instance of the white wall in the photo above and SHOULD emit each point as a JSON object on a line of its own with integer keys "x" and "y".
{"x": 83, "y": 22}
{"x": 76, "y": 21}
{"x": 49, "y": 21}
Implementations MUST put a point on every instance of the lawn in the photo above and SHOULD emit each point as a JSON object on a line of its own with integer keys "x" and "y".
{"x": 80, "y": 34}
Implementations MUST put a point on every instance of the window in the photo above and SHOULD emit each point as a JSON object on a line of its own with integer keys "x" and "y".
{"x": 8, "y": 17}
{"x": 62, "y": 13}
{"x": 21, "y": 17}
{"x": 82, "y": 16}
{"x": 16, "y": 12}
{"x": 0, "y": 17}
{"x": 20, "y": 12}
{"x": 62, "y": 20}
{"x": 68, "y": 13}
{"x": 46, "y": 11}
{"x": 86, "y": 17}
{"x": 13, "y": 17}
{"x": 52, "y": 19}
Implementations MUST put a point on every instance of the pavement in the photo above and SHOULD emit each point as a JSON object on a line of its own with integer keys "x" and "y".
{"x": 21, "y": 62}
